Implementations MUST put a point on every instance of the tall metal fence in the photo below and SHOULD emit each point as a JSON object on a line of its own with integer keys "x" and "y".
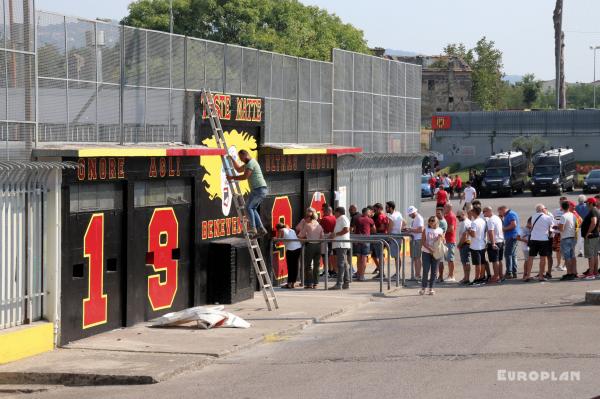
{"x": 377, "y": 103}
{"x": 21, "y": 250}
{"x": 96, "y": 77}
{"x": 17, "y": 79}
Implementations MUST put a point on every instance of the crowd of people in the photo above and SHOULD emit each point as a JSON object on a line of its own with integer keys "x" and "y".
{"x": 483, "y": 239}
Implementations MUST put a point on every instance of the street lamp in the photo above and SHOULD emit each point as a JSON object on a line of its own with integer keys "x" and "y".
{"x": 594, "y": 48}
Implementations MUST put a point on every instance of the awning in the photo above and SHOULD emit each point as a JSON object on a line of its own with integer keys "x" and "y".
{"x": 25, "y": 172}
{"x": 128, "y": 150}
{"x": 308, "y": 149}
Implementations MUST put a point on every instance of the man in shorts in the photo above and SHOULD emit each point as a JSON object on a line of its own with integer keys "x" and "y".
{"x": 539, "y": 244}
{"x": 464, "y": 240}
{"x": 416, "y": 229}
{"x": 591, "y": 240}
{"x": 468, "y": 195}
{"x": 364, "y": 227}
{"x": 495, "y": 246}
{"x": 450, "y": 237}
{"x": 567, "y": 227}
{"x": 478, "y": 244}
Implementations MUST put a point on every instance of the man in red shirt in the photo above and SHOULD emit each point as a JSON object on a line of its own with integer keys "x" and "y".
{"x": 327, "y": 222}
{"x": 364, "y": 226}
{"x": 457, "y": 185}
{"x": 381, "y": 227}
{"x": 441, "y": 197}
{"x": 450, "y": 237}
{"x": 432, "y": 184}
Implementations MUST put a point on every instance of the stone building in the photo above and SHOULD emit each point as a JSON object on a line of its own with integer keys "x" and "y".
{"x": 446, "y": 87}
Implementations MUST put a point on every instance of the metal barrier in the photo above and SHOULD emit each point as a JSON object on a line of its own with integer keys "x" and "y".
{"x": 397, "y": 239}
{"x": 303, "y": 241}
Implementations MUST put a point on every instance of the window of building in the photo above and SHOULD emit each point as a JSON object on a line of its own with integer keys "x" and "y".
{"x": 162, "y": 192}
{"x": 95, "y": 197}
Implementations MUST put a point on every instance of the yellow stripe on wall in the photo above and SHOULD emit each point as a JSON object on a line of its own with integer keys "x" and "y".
{"x": 25, "y": 341}
{"x": 122, "y": 152}
{"x": 304, "y": 151}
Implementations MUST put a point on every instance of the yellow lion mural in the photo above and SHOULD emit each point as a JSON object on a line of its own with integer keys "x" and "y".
{"x": 216, "y": 183}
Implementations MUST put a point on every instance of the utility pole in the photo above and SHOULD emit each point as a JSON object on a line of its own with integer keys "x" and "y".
{"x": 171, "y": 135}
{"x": 594, "y": 48}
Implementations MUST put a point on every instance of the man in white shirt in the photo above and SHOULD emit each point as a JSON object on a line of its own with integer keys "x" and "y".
{"x": 395, "y": 226}
{"x": 464, "y": 239}
{"x": 567, "y": 227}
{"x": 477, "y": 246}
{"x": 556, "y": 237}
{"x": 539, "y": 243}
{"x": 495, "y": 246}
{"x": 469, "y": 194}
{"x": 341, "y": 231}
{"x": 416, "y": 229}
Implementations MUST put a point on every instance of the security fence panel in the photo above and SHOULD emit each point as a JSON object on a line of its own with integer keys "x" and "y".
{"x": 383, "y": 97}
{"x": 195, "y": 64}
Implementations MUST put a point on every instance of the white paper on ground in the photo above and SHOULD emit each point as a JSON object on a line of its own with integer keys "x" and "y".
{"x": 206, "y": 317}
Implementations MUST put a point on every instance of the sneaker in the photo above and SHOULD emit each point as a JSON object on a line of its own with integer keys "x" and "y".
{"x": 562, "y": 268}
{"x": 590, "y": 277}
{"x": 514, "y": 275}
{"x": 565, "y": 277}
{"x": 440, "y": 280}
{"x": 345, "y": 286}
{"x": 451, "y": 280}
{"x": 431, "y": 292}
{"x": 508, "y": 276}
{"x": 332, "y": 274}
{"x": 548, "y": 275}
{"x": 354, "y": 275}
{"x": 422, "y": 291}
{"x": 252, "y": 231}
{"x": 262, "y": 231}
{"x": 335, "y": 287}
{"x": 361, "y": 278}
{"x": 465, "y": 282}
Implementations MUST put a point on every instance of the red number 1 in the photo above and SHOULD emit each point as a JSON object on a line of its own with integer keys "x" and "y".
{"x": 95, "y": 305}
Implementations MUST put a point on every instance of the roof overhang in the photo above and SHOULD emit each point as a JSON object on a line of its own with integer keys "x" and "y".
{"x": 133, "y": 150}
{"x": 309, "y": 149}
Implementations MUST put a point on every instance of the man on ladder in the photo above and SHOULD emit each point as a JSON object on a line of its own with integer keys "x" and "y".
{"x": 252, "y": 172}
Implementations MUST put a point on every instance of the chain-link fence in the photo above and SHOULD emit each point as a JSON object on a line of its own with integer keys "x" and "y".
{"x": 17, "y": 79}
{"x": 377, "y": 103}
{"x": 96, "y": 78}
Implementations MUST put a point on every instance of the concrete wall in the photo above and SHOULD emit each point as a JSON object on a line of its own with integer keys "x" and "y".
{"x": 473, "y": 149}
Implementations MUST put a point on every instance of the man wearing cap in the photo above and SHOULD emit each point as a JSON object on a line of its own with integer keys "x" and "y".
{"x": 510, "y": 227}
{"x": 416, "y": 229}
{"x": 591, "y": 240}
{"x": 567, "y": 226}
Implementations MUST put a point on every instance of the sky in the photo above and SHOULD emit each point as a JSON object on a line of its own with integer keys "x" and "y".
{"x": 521, "y": 29}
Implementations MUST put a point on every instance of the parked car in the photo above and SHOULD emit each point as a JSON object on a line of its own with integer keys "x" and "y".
{"x": 591, "y": 183}
{"x": 425, "y": 188}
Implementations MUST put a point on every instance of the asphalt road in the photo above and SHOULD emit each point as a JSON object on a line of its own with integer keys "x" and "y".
{"x": 454, "y": 344}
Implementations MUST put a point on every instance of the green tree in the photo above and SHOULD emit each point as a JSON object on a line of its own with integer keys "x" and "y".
{"x": 485, "y": 61}
{"x": 512, "y": 96}
{"x": 529, "y": 145}
{"x": 531, "y": 89}
{"x": 284, "y": 26}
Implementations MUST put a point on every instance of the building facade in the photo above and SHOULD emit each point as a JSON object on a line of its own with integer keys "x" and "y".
{"x": 447, "y": 85}
{"x": 133, "y": 181}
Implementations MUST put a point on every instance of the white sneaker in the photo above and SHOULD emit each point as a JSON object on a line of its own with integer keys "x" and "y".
{"x": 450, "y": 280}
{"x": 431, "y": 292}
{"x": 562, "y": 268}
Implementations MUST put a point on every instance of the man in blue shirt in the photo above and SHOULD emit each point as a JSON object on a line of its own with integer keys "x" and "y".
{"x": 510, "y": 226}
{"x": 582, "y": 210}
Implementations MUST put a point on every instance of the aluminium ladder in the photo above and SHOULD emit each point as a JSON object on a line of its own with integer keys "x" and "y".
{"x": 258, "y": 261}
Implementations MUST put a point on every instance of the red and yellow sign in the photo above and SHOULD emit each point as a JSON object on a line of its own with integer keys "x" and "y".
{"x": 280, "y": 213}
{"x": 95, "y": 306}
{"x": 441, "y": 122}
{"x": 163, "y": 238}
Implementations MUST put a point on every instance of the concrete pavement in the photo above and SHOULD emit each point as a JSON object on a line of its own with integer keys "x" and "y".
{"x": 144, "y": 355}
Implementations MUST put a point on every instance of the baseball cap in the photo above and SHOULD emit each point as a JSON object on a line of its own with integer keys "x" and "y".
{"x": 572, "y": 204}
{"x": 591, "y": 201}
{"x": 411, "y": 210}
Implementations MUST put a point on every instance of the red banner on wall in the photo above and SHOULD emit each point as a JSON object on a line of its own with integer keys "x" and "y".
{"x": 441, "y": 122}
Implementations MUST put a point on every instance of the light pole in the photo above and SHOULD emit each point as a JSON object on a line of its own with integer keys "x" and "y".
{"x": 594, "y": 48}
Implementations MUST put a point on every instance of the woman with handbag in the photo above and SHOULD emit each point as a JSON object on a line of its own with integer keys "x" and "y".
{"x": 434, "y": 250}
